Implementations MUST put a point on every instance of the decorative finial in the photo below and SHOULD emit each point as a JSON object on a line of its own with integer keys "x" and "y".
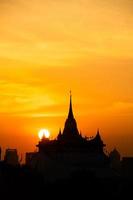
{"x": 60, "y": 131}
{"x": 70, "y": 114}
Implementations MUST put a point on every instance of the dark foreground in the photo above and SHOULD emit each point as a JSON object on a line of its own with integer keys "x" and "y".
{"x": 22, "y": 183}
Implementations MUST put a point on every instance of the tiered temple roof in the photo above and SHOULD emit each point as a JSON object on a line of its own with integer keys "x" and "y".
{"x": 70, "y": 138}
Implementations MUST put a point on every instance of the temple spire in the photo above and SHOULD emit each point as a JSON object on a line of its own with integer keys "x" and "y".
{"x": 98, "y": 132}
{"x": 70, "y": 114}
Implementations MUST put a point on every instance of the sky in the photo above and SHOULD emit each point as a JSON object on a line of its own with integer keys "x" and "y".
{"x": 49, "y": 47}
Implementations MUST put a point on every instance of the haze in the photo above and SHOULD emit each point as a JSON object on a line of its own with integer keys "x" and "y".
{"x": 50, "y": 47}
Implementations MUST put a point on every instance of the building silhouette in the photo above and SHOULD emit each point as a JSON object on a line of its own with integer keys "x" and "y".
{"x": 127, "y": 167}
{"x": 70, "y": 152}
{"x": 0, "y": 153}
{"x": 115, "y": 159}
{"x": 11, "y": 157}
{"x": 70, "y": 139}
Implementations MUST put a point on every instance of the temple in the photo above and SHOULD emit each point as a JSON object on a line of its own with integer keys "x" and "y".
{"x": 70, "y": 132}
{"x": 70, "y": 140}
{"x": 69, "y": 153}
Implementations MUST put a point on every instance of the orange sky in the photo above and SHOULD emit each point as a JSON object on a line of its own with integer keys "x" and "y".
{"x": 50, "y": 47}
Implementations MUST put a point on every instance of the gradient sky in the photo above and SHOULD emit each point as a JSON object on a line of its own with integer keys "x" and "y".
{"x": 48, "y": 47}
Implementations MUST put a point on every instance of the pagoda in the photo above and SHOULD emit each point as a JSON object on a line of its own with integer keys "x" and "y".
{"x": 70, "y": 140}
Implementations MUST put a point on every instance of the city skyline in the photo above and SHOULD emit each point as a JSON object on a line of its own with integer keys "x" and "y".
{"x": 48, "y": 48}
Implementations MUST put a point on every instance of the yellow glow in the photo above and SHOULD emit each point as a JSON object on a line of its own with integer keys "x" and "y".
{"x": 44, "y": 133}
{"x": 50, "y": 47}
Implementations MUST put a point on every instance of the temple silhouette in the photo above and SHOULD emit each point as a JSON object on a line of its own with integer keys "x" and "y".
{"x": 70, "y": 164}
{"x": 70, "y": 140}
{"x": 68, "y": 153}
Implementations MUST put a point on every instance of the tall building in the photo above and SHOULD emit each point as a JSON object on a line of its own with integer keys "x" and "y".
{"x": 11, "y": 157}
{"x": 0, "y": 153}
{"x": 115, "y": 159}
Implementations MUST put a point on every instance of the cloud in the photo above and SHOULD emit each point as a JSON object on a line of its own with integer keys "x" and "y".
{"x": 41, "y": 32}
{"x": 17, "y": 98}
{"x": 123, "y": 108}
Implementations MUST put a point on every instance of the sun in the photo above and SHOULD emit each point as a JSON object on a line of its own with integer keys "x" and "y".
{"x": 44, "y": 133}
